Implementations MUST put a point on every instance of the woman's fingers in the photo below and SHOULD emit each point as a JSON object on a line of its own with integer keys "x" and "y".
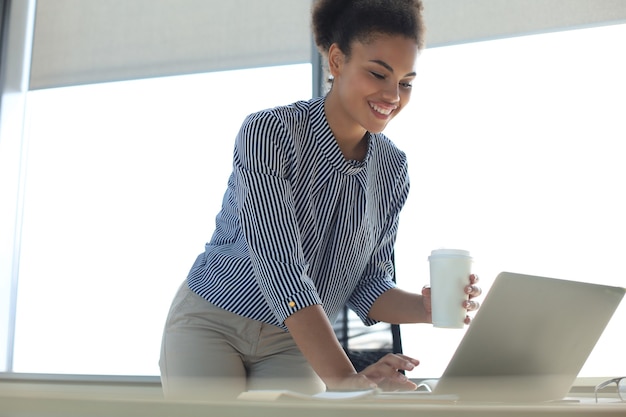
{"x": 387, "y": 372}
{"x": 472, "y": 289}
{"x": 471, "y": 305}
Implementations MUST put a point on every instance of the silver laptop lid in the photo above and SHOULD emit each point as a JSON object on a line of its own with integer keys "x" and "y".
{"x": 529, "y": 339}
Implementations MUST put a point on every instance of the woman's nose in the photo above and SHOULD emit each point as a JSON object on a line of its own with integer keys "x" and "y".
{"x": 391, "y": 93}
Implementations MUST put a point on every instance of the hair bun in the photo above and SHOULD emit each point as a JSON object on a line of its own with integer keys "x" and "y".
{"x": 326, "y": 14}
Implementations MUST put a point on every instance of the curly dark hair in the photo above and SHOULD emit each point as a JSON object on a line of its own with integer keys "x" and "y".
{"x": 344, "y": 21}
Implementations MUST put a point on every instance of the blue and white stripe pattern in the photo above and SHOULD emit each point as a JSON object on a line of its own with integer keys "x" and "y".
{"x": 301, "y": 225}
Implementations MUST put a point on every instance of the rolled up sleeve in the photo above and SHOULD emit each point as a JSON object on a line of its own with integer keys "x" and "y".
{"x": 267, "y": 213}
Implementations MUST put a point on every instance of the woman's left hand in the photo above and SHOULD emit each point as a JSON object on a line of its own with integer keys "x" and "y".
{"x": 472, "y": 290}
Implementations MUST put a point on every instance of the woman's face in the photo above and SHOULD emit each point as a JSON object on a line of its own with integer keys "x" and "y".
{"x": 374, "y": 84}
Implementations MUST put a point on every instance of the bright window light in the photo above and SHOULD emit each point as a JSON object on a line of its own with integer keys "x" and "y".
{"x": 516, "y": 153}
{"x": 123, "y": 184}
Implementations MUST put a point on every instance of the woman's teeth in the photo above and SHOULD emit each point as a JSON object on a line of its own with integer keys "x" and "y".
{"x": 382, "y": 110}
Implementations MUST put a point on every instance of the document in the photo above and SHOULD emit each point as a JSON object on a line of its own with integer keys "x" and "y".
{"x": 286, "y": 395}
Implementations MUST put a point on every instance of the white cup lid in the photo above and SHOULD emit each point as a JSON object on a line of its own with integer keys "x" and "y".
{"x": 449, "y": 253}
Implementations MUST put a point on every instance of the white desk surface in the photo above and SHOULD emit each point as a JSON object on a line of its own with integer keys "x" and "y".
{"x": 19, "y": 399}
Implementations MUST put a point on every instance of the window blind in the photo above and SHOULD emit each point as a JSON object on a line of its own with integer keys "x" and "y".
{"x": 91, "y": 41}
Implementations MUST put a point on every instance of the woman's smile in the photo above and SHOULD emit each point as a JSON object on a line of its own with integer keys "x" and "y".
{"x": 382, "y": 111}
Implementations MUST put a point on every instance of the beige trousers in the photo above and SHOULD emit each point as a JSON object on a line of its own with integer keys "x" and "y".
{"x": 210, "y": 353}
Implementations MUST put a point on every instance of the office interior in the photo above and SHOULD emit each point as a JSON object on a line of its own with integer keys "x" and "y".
{"x": 129, "y": 48}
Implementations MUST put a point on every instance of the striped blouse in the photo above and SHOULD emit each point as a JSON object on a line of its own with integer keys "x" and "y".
{"x": 301, "y": 225}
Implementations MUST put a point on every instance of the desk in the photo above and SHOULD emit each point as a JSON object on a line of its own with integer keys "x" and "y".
{"x": 67, "y": 400}
{"x": 41, "y": 398}
{"x": 74, "y": 407}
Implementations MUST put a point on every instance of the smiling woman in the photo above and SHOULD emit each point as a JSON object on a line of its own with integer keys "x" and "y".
{"x": 307, "y": 226}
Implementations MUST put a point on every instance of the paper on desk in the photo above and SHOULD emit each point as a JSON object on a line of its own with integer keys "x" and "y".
{"x": 278, "y": 395}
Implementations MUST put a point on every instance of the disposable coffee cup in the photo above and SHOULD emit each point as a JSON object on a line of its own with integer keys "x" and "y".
{"x": 449, "y": 274}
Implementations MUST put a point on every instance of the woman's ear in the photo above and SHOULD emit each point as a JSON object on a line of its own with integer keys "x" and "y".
{"x": 336, "y": 58}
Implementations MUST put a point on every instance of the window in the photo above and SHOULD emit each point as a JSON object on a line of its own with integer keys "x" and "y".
{"x": 515, "y": 149}
{"x": 516, "y": 153}
{"x": 123, "y": 183}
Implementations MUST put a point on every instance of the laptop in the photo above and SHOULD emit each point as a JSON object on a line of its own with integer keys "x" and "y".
{"x": 529, "y": 340}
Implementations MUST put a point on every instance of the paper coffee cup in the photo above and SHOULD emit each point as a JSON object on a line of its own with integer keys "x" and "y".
{"x": 449, "y": 274}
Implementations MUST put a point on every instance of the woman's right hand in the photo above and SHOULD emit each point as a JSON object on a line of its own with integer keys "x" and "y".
{"x": 384, "y": 374}
{"x": 354, "y": 382}
{"x": 387, "y": 372}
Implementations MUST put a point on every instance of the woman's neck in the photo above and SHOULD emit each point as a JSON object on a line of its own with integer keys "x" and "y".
{"x": 350, "y": 136}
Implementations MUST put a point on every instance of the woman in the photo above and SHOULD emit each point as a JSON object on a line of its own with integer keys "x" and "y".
{"x": 308, "y": 224}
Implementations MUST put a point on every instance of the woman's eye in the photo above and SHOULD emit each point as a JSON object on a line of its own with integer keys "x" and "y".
{"x": 377, "y": 75}
{"x": 406, "y": 85}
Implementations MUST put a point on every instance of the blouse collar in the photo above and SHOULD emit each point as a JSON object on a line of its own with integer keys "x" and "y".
{"x": 328, "y": 144}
